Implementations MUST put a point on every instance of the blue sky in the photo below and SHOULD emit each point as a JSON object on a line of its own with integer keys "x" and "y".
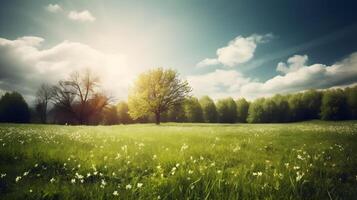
{"x": 223, "y": 48}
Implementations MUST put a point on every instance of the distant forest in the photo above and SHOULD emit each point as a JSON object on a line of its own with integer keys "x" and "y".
{"x": 78, "y": 100}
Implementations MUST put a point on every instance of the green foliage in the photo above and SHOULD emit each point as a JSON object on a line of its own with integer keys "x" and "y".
{"x": 296, "y": 106}
{"x": 312, "y": 103}
{"x": 242, "y": 110}
{"x": 227, "y": 110}
{"x": 176, "y": 114}
{"x": 334, "y": 105}
{"x": 110, "y": 115}
{"x": 179, "y": 161}
{"x": 13, "y": 108}
{"x": 156, "y": 91}
{"x": 352, "y": 102}
{"x": 209, "y": 109}
{"x": 256, "y": 111}
{"x": 193, "y": 110}
{"x": 292, "y": 107}
{"x": 282, "y": 112}
{"x": 123, "y": 113}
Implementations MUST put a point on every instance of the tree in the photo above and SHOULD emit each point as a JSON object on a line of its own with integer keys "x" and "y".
{"x": 176, "y": 114}
{"x": 83, "y": 86}
{"x": 110, "y": 115}
{"x": 270, "y": 111}
{"x": 296, "y": 105}
{"x": 95, "y": 108}
{"x": 79, "y": 99}
{"x": 312, "y": 103}
{"x": 334, "y": 105}
{"x": 209, "y": 109}
{"x": 123, "y": 113}
{"x": 256, "y": 111}
{"x": 63, "y": 99}
{"x": 242, "y": 110}
{"x": 352, "y": 101}
{"x": 13, "y": 108}
{"x": 227, "y": 110}
{"x": 193, "y": 110}
{"x": 282, "y": 112}
{"x": 43, "y": 96}
{"x": 155, "y": 92}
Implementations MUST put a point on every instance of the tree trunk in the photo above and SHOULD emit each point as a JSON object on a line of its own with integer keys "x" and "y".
{"x": 45, "y": 114}
{"x": 157, "y": 117}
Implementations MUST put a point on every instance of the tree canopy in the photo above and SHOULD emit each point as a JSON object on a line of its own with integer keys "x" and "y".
{"x": 334, "y": 105}
{"x": 123, "y": 113}
{"x": 155, "y": 91}
{"x": 227, "y": 110}
{"x": 209, "y": 109}
{"x": 193, "y": 110}
{"x": 78, "y": 99}
{"x": 43, "y": 97}
{"x": 242, "y": 110}
{"x": 13, "y": 108}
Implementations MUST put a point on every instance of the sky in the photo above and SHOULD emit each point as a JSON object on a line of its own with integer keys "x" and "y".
{"x": 237, "y": 48}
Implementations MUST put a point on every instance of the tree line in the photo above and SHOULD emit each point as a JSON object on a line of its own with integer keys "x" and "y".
{"x": 159, "y": 95}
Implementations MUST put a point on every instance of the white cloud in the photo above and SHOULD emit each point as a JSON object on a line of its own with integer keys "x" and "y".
{"x": 83, "y": 16}
{"x": 293, "y": 64}
{"x": 54, "y": 8}
{"x": 297, "y": 76}
{"x": 238, "y": 51}
{"x": 217, "y": 84}
{"x": 208, "y": 62}
{"x": 25, "y": 65}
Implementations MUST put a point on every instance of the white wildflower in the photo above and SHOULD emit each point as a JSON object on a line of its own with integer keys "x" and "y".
{"x": 299, "y": 175}
{"x": 300, "y": 157}
{"x": 257, "y": 174}
{"x": 103, "y": 182}
{"x": 18, "y": 178}
{"x": 128, "y": 187}
{"x": 184, "y": 147}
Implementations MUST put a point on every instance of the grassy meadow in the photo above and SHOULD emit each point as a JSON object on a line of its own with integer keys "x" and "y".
{"x": 309, "y": 160}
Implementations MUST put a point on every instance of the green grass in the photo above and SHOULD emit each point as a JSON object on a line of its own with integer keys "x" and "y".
{"x": 310, "y": 160}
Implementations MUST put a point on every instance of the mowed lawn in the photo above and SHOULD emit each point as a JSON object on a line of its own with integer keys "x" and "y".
{"x": 310, "y": 160}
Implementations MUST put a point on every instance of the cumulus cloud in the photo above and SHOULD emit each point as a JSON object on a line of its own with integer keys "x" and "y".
{"x": 293, "y": 64}
{"x": 217, "y": 84}
{"x": 207, "y": 62}
{"x": 297, "y": 76}
{"x": 82, "y": 16}
{"x": 24, "y": 65}
{"x": 53, "y": 8}
{"x": 238, "y": 51}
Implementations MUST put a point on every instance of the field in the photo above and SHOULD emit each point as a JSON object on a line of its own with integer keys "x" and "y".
{"x": 310, "y": 160}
